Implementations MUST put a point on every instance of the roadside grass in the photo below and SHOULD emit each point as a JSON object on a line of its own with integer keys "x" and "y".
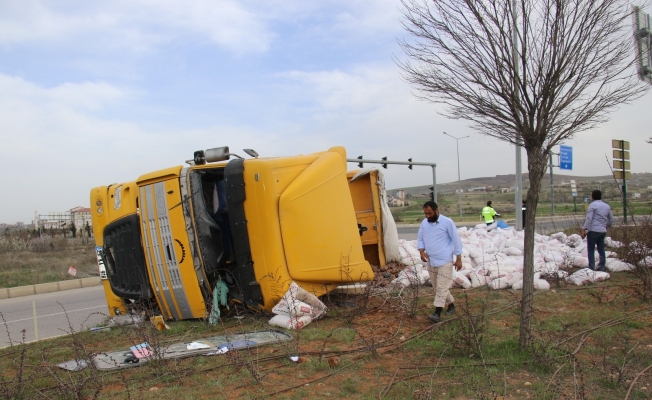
{"x": 24, "y": 267}
{"x": 472, "y": 204}
{"x": 582, "y": 347}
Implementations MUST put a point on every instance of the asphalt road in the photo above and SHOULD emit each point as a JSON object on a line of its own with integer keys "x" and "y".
{"x": 57, "y": 313}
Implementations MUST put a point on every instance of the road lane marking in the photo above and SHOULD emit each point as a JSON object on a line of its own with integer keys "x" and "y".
{"x": 51, "y": 315}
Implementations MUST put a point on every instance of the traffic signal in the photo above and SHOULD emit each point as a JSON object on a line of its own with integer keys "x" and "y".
{"x": 360, "y": 164}
{"x": 410, "y": 160}
{"x": 432, "y": 193}
{"x": 384, "y": 165}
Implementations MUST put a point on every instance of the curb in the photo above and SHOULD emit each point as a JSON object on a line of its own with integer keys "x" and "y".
{"x": 41, "y": 288}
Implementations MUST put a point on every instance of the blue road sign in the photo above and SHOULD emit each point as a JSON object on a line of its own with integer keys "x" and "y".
{"x": 565, "y": 157}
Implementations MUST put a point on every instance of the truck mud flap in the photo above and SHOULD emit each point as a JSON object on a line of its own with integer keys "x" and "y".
{"x": 243, "y": 270}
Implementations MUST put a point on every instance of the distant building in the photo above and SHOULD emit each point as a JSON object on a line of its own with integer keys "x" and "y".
{"x": 636, "y": 195}
{"x": 505, "y": 190}
{"x": 53, "y": 220}
{"x": 478, "y": 189}
{"x": 79, "y": 216}
{"x": 400, "y": 194}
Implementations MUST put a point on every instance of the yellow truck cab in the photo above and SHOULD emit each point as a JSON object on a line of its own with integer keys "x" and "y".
{"x": 257, "y": 224}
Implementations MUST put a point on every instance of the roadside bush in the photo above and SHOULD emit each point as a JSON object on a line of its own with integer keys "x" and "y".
{"x": 41, "y": 244}
{"x": 637, "y": 251}
{"x": 10, "y": 244}
{"x": 16, "y": 243}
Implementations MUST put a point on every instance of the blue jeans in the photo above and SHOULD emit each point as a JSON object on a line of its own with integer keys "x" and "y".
{"x": 593, "y": 238}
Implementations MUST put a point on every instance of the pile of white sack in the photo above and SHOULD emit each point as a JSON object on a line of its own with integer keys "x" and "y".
{"x": 494, "y": 257}
{"x": 297, "y": 308}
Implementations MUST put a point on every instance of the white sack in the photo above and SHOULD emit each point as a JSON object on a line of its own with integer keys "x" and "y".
{"x": 555, "y": 257}
{"x": 296, "y": 294}
{"x": 647, "y": 261}
{"x": 586, "y": 275}
{"x": 559, "y": 274}
{"x": 287, "y": 322}
{"x": 580, "y": 248}
{"x": 616, "y": 265}
{"x": 517, "y": 243}
{"x": 296, "y": 308}
{"x": 578, "y": 261}
{"x": 541, "y": 284}
{"x": 478, "y": 280}
{"x": 499, "y": 283}
{"x": 613, "y": 243}
{"x": 516, "y": 277}
{"x": 512, "y": 251}
{"x": 461, "y": 280}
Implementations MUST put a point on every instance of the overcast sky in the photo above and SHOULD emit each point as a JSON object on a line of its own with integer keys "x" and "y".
{"x": 96, "y": 92}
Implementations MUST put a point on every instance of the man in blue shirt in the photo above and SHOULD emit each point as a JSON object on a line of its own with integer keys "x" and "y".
{"x": 598, "y": 219}
{"x": 438, "y": 241}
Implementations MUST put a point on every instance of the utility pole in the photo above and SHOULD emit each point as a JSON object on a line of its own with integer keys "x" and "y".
{"x": 621, "y": 168}
{"x": 459, "y": 188}
{"x": 518, "y": 195}
{"x": 552, "y": 189}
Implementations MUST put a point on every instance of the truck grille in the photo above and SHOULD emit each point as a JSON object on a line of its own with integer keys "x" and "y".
{"x": 124, "y": 259}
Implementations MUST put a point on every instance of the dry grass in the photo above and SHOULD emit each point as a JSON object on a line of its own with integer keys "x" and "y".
{"x": 582, "y": 348}
{"x": 24, "y": 266}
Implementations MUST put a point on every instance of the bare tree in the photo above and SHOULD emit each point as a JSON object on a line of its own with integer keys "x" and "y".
{"x": 527, "y": 72}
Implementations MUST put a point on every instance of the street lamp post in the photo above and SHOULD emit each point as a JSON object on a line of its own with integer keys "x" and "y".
{"x": 459, "y": 189}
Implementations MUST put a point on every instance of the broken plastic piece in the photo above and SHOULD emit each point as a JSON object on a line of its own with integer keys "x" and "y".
{"x": 198, "y": 345}
{"x": 159, "y": 323}
{"x": 74, "y": 365}
{"x": 141, "y": 350}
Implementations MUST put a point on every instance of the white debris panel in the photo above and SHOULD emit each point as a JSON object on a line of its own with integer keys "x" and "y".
{"x": 494, "y": 257}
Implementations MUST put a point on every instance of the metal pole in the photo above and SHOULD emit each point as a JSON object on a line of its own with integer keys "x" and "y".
{"x": 434, "y": 183}
{"x": 459, "y": 188}
{"x": 622, "y": 151}
{"x": 552, "y": 189}
{"x": 432, "y": 165}
{"x": 518, "y": 194}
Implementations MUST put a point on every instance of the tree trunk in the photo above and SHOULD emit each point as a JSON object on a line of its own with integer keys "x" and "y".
{"x": 536, "y": 170}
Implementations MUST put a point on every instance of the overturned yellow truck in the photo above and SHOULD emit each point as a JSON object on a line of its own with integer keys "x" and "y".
{"x": 166, "y": 239}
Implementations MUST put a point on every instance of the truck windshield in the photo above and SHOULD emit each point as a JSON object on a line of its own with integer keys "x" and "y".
{"x": 211, "y": 219}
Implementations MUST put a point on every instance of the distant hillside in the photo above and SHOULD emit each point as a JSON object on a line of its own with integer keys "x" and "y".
{"x": 501, "y": 181}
